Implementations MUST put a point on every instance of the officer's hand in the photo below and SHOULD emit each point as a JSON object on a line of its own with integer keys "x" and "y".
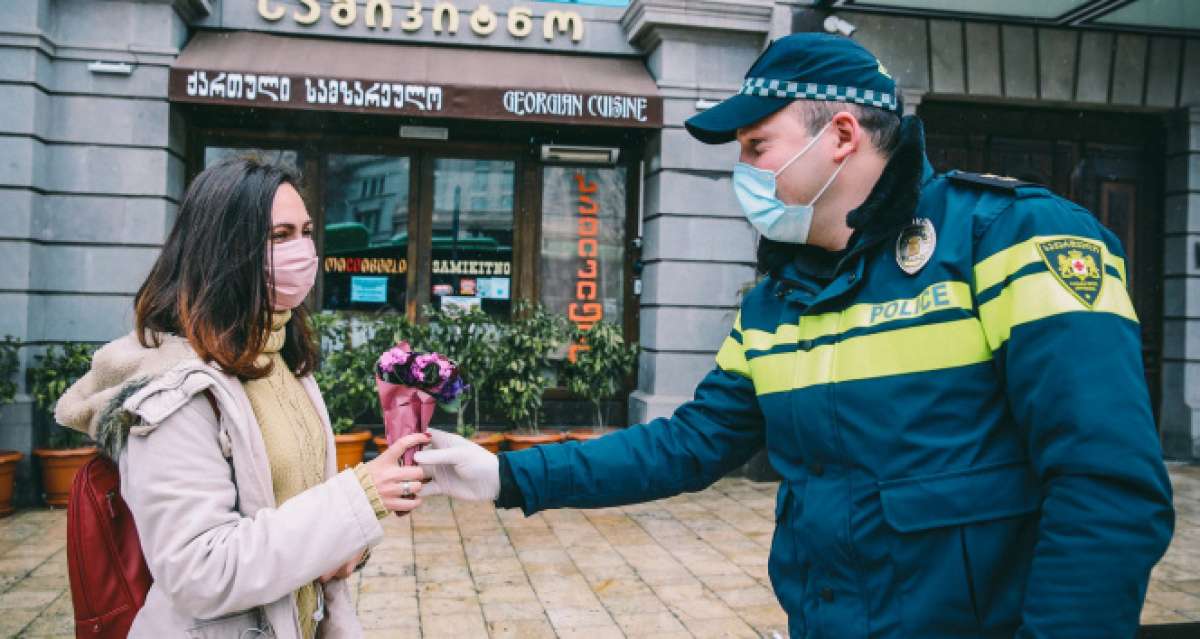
{"x": 459, "y": 468}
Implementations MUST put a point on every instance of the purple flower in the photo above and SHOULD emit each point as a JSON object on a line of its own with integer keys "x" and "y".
{"x": 433, "y": 373}
{"x": 451, "y": 390}
{"x": 445, "y": 368}
{"x": 395, "y": 357}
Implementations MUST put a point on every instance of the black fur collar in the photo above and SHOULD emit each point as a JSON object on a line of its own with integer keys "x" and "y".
{"x": 887, "y": 209}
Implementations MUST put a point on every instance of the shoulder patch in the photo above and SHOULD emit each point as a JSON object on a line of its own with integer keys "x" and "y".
{"x": 989, "y": 180}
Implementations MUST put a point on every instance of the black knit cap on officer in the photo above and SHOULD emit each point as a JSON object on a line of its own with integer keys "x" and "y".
{"x": 802, "y": 66}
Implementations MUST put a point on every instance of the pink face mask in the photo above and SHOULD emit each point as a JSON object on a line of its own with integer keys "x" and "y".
{"x": 293, "y": 271}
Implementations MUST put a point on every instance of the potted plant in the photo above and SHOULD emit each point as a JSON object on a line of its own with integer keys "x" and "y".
{"x": 599, "y": 371}
{"x": 470, "y": 338}
{"x": 347, "y": 383}
{"x": 527, "y": 347}
{"x": 8, "y": 391}
{"x": 68, "y": 450}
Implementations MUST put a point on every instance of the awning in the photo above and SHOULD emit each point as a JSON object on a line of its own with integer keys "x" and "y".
{"x": 270, "y": 71}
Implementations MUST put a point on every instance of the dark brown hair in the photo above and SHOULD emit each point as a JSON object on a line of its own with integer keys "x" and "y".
{"x": 882, "y": 127}
{"x": 210, "y": 283}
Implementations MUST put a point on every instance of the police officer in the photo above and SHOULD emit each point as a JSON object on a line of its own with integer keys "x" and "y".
{"x": 945, "y": 369}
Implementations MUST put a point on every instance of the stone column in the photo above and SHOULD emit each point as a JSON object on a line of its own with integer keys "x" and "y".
{"x": 1180, "y": 411}
{"x": 699, "y": 249}
{"x": 93, "y": 170}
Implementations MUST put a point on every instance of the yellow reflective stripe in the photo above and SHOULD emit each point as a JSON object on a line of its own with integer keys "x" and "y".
{"x": 1041, "y": 295}
{"x": 998, "y": 267}
{"x": 778, "y": 373}
{"x": 756, "y": 340}
{"x": 915, "y": 349}
{"x": 937, "y": 297}
{"x": 732, "y": 359}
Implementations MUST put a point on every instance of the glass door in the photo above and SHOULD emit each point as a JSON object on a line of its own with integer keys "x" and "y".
{"x": 583, "y": 243}
{"x": 472, "y": 233}
{"x": 366, "y": 204}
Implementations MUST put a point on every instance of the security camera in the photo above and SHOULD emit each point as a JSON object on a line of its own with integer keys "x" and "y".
{"x": 834, "y": 24}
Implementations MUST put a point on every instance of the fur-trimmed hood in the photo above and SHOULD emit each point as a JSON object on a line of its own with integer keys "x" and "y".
{"x": 197, "y": 479}
{"x": 95, "y": 405}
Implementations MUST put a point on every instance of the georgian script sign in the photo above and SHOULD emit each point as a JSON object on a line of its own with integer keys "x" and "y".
{"x": 356, "y": 95}
{"x": 444, "y": 17}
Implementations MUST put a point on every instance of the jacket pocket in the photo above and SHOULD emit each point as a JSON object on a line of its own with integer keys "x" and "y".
{"x": 977, "y": 495}
{"x": 962, "y": 549}
{"x": 787, "y": 565}
{"x": 242, "y": 625}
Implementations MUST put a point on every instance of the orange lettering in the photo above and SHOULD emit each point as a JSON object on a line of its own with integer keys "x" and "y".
{"x": 589, "y": 226}
{"x": 585, "y": 290}
{"x": 589, "y": 271}
{"x": 584, "y": 187}
{"x": 590, "y": 313}
{"x": 588, "y": 248}
{"x": 573, "y": 351}
{"x": 587, "y": 206}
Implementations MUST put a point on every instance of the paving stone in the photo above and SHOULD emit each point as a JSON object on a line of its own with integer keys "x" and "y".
{"x": 649, "y": 625}
{"x": 452, "y": 626}
{"x": 387, "y": 584}
{"x": 38, "y": 599}
{"x": 610, "y": 631}
{"x": 56, "y": 620}
{"x": 390, "y": 620}
{"x": 513, "y": 611}
{"x": 688, "y": 566}
{"x": 456, "y": 588}
{"x": 634, "y": 605}
{"x": 13, "y": 620}
{"x": 564, "y": 618}
{"x": 521, "y": 629}
{"x": 722, "y": 628}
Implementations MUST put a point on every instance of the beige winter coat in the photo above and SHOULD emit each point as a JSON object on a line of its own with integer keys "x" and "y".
{"x": 225, "y": 559}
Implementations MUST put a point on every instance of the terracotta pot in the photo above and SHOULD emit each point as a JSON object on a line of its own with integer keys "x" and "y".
{"x": 58, "y": 471}
{"x": 521, "y": 441}
{"x": 489, "y": 439}
{"x": 585, "y": 434}
{"x": 8, "y": 466}
{"x": 350, "y": 448}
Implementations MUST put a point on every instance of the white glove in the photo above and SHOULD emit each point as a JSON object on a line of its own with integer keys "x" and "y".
{"x": 459, "y": 468}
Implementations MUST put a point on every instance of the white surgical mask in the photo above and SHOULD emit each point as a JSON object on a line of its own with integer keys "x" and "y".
{"x": 755, "y": 189}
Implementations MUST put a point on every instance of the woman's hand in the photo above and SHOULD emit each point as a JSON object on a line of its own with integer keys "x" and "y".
{"x": 398, "y": 485}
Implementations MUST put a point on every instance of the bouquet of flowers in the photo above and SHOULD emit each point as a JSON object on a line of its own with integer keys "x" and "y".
{"x": 410, "y": 384}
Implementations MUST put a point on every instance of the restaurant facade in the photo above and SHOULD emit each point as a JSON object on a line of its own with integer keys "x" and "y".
{"x": 469, "y": 153}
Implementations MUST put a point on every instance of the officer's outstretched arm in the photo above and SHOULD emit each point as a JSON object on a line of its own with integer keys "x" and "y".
{"x": 719, "y": 430}
{"x": 1050, "y": 283}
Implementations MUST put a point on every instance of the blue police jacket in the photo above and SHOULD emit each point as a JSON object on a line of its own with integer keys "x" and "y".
{"x": 966, "y": 451}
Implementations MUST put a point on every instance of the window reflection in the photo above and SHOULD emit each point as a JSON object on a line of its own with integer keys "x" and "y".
{"x": 365, "y": 261}
{"x": 472, "y": 234}
{"x": 583, "y": 243}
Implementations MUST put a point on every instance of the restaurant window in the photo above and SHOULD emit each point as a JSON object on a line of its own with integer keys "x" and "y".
{"x": 472, "y": 244}
{"x": 366, "y": 210}
{"x": 288, "y": 157}
{"x": 583, "y": 243}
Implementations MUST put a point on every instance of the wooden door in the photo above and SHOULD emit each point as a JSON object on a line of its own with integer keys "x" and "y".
{"x": 1109, "y": 163}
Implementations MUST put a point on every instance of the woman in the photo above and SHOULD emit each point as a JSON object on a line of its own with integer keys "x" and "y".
{"x": 222, "y": 438}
